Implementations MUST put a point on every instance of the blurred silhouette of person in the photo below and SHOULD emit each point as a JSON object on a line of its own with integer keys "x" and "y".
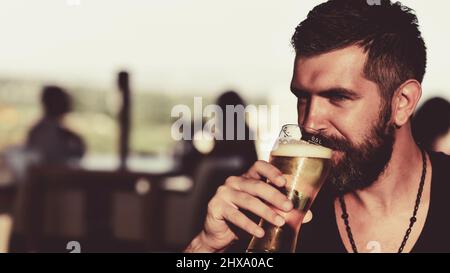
{"x": 49, "y": 139}
{"x": 228, "y": 157}
{"x": 186, "y": 154}
{"x": 431, "y": 125}
{"x": 227, "y": 148}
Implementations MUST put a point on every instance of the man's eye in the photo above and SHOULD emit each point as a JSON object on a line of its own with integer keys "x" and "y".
{"x": 337, "y": 98}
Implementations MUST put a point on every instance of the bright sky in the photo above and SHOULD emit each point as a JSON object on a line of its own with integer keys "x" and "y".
{"x": 179, "y": 45}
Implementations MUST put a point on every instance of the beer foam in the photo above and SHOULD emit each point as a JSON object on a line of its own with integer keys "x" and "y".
{"x": 302, "y": 149}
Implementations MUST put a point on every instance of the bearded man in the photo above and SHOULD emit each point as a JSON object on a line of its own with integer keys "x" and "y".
{"x": 357, "y": 78}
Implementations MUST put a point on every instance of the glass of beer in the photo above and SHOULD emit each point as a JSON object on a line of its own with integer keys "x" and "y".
{"x": 302, "y": 156}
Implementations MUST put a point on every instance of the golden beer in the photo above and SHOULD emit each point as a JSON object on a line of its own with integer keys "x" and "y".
{"x": 305, "y": 167}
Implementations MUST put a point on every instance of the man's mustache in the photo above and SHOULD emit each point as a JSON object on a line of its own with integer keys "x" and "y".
{"x": 335, "y": 143}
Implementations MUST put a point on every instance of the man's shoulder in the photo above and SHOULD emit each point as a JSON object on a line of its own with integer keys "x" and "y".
{"x": 435, "y": 235}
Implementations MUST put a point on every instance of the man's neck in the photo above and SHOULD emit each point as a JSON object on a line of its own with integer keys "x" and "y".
{"x": 397, "y": 186}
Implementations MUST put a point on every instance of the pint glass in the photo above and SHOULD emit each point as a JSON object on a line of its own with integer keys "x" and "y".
{"x": 299, "y": 153}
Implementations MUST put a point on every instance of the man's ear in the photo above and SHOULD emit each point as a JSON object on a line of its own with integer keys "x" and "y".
{"x": 405, "y": 101}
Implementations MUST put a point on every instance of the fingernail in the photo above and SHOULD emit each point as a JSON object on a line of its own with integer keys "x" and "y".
{"x": 287, "y": 205}
{"x": 259, "y": 233}
{"x": 282, "y": 180}
{"x": 279, "y": 220}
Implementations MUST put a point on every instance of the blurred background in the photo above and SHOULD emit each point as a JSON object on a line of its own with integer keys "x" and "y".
{"x": 110, "y": 176}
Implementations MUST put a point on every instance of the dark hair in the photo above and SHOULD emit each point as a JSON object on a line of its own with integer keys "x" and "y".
{"x": 431, "y": 121}
{"x": 388, "y": 32}
{"x": 56, "y": 101}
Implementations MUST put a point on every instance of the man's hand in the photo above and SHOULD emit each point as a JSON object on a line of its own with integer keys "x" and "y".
{"x": 246, "y": 192}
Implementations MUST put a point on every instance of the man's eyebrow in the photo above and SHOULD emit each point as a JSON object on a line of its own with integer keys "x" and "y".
{"x": 339, "y": 91}
{"x": 299, "y": 92}
{"x": 326, "y": 93}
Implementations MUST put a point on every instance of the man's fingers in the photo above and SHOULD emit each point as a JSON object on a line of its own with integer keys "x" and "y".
{"x": 246, "y": 201}
{"x": 262, "y": 190}
{"x": 264, "y": 169}
{"x": 236, "y": 217}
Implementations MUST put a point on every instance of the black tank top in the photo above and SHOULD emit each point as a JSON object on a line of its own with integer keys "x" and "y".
{"x": 322, "y": 235}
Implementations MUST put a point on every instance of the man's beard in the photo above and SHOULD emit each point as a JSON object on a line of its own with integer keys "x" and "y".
{"x": 361, "y": 165}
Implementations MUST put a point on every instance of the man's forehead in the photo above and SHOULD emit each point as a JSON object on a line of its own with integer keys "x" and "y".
{"x": 338, "y": 68}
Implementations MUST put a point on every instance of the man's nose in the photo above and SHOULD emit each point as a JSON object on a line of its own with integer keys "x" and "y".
{"x": 315, "y": 115}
